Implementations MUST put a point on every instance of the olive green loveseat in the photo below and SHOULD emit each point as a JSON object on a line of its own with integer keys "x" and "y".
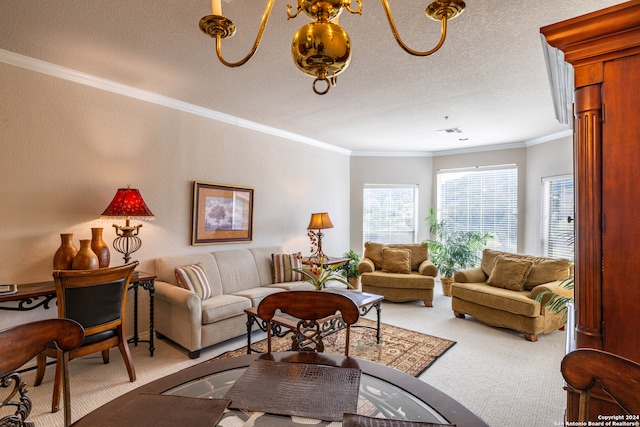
{"x": 502, "y": 292}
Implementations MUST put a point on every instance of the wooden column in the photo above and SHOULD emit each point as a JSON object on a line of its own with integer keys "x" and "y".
{"x": 588, "y": 214}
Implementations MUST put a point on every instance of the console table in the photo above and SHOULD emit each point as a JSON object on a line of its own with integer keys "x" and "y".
{"x": 31, "y": 296}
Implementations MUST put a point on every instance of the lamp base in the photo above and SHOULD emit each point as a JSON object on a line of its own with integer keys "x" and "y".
{"x": 127, "y": 241}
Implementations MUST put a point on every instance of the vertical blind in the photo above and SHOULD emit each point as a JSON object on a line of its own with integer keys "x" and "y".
{"x": 557, "y": 208}
{"x": 390, "y": 213}
{"x": 481, "y": 200}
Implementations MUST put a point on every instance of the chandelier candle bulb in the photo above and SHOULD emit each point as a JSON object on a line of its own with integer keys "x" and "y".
{"x": 216, "y": 7}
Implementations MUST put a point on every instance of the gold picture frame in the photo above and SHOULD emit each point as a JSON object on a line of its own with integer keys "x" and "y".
{"x": 221, "y": 214}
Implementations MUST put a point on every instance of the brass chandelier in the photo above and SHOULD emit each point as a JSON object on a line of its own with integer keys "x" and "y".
{"x": 322, "y": 48}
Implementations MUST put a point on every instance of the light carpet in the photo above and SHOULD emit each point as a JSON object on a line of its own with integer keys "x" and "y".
{"x": 408, "y": 351}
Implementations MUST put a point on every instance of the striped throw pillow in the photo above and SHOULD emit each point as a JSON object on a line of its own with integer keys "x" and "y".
{"x": 283, "y": 265}
{"x": 194, "y": 278}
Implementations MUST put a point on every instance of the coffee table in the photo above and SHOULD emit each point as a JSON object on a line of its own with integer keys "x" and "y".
{"x": 284, "y": 324}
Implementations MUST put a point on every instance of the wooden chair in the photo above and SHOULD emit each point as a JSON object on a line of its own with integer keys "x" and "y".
{"x": 309, "y": 307}
{"x": 20, "y": 344}
{"x": 97, "y": 300}
{"x": 619, "y": 377}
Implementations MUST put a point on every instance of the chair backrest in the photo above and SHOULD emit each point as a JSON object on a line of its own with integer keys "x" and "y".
{"x": 582, "y": 369}
{"x": 94, "y": 298}
{"x": 310, "y": 307}
{"x": 20, "y": 344}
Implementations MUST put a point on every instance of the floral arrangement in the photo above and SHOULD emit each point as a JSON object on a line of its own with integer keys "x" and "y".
{"x": 314, "y": 270}
{"x": 318, "y": 274}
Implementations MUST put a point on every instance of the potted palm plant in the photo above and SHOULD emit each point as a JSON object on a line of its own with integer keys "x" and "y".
{"x": 350, "y": 269}
{"x": 452, "y": 250}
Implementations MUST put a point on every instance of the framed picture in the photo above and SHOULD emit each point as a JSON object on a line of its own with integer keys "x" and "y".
{"x": 221, "y": 214}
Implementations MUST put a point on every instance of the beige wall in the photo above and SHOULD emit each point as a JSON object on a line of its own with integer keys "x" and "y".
{"x": 67, "y": 147}
{"x": 389, "y": 170}
{"x": 553, "y": 158}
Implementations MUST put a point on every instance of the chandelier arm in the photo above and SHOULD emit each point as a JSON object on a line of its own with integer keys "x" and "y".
{"x": 358, "y": 10}
{"x": 396, "y": 35}
{"x": 256, "y": 44}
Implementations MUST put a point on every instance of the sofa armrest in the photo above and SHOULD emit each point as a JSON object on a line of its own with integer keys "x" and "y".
{"x": 366, "y": 266}
{"x": 470, "y": 275}
{"x": 548, "y": 290}
{"x": 178, "y": 315}
{"x": 428, "y": 268}
{"x": 178, "y": 296}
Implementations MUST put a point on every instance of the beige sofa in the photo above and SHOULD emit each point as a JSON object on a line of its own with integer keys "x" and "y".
{"x": 399, "y": 272}
{"x": 238, "y": 280}
{"x": 502, "y": 291}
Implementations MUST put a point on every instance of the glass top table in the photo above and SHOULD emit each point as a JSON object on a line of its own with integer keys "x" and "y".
{"x": 384, "y": 392}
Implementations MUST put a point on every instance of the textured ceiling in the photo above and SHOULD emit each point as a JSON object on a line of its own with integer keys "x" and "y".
{"x": 489, "y": 79}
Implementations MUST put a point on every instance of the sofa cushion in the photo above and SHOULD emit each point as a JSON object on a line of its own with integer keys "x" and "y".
{"x": 373, "y": 251}
{"x": 396, "y": 260}
{"x": 262, "y": 258}
{"x": 489, "y": 259}
{"x": 194, "y": 278}
{"x": 238, "y": 270}
{"x": 255, "y": 295}
{"x": 509, "y": 273}
{"x": 547, "y": 270}
{"x": 293, "y": 286}
{"x": 222, "y": 307}
{"x": 419, "y": 252}
{"x": 413, "y": 280}
{"x": 283, "y": 265}
{"x": 516, "y": 302}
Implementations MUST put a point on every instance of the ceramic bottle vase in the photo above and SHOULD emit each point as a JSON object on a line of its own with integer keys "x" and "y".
{"x": 100, "y": 248}
{"x": 63, "y": 258}
{"x": 85, "y": 259}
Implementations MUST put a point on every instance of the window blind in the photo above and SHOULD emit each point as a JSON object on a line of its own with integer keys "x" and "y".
{"x": 390, "y": 213}
{"x": 481, "y": 200}
{"x": 557, "y": 208}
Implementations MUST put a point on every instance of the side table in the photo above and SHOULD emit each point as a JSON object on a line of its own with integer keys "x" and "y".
{"x": 147, "y": 281}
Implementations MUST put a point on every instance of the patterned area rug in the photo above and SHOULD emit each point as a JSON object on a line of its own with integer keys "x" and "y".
{"x": 408, "y": 351}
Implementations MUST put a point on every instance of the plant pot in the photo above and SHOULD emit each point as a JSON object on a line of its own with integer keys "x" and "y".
{"x": 446, "y": 285}
{"x": 355, "y": 282}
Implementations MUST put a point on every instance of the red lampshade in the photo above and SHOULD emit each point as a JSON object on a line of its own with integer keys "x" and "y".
{"x": 128, "y": 204}
{"x": 319, "y": 221}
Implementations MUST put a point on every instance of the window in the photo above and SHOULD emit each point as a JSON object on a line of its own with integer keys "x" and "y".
{"x": 390, "y": 213}
{"x": 557, "y": 217}
{"x": 481, "y": 199}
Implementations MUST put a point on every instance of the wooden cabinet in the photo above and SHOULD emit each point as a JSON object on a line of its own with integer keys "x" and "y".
{"x": 604, "y": 50}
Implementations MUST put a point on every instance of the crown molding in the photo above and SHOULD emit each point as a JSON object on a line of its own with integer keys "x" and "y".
{"x": 75, "y": 76}
{"x": 391, "y": 154}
